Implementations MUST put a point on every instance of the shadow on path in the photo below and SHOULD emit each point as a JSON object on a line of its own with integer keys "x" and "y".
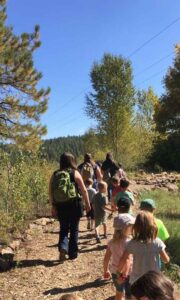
{"x": 86, "y": 236}
{"x": 52, "y": 246}
{"x": 93, "y": 284}
{"x": 36, "y": 262}
{"x": 97, "y": 248}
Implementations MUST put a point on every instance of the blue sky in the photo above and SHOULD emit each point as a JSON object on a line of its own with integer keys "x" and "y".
{"x": 75, "y": 33}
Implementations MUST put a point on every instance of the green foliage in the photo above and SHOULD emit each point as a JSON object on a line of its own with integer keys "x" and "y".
{"x": 53, "y": 148}
{"x": 146, "y": 102}
{"x": 22, "y": 102}
{"x": 24, "y": 190}
{"x": 94, "y": 144}
{"x": 112, "y": 100}
{"x": 125, "y": 123}
{"x": 168, "y": 111}
{"x": 167, "y": 147}
{"x": 166, "y": 153}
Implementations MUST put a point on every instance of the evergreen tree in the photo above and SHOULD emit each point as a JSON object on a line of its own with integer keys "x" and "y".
{"x": 21, "y": 101}
{"x": 53, "y": 148}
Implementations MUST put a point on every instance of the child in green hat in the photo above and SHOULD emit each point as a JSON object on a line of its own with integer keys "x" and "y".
{"x": 149, "y": 205}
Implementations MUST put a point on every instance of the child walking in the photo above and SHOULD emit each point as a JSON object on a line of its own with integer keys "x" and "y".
{"x": 116, "y": 246}
{"x": 145, "y": 247}
{"x": 99, "y": 203}
{"x": 150, "y": 205}
{"x": 91, "y": 192}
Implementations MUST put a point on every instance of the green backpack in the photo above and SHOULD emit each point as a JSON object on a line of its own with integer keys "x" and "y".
{"x": 63, "y": 189}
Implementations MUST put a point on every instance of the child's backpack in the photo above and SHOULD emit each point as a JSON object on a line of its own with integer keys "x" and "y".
{"x": 63, "y": 189}
{"x": 87, "y": 171}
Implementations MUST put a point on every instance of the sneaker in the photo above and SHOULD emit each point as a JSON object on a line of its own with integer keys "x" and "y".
{"x": 73, "y": 256}
{"x": 98, "y": 240}
{"x": 62, "y": 255}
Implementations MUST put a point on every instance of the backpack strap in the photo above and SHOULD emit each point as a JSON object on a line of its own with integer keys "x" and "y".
{"x": 72, "y": 178}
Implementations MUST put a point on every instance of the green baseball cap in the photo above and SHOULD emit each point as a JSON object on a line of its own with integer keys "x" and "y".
{"x": 147, "y": 203}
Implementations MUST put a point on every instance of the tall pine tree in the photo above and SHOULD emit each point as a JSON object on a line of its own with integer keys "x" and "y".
{"x": 21, "y": 101}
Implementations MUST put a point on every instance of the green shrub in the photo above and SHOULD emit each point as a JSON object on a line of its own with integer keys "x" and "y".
{"x": 23, "y": 190}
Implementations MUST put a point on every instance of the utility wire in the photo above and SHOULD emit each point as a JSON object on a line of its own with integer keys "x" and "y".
{"x": 152, "y": 76}
{"x": 131, "y": 54}
{"x": 68, "y": 102}
{"x": 153, "y": 37}
{"x": 154, "y": 64}
{"x": 137, "y": 74}
{"x": 66, "y": 123}
{"x": 79, "y": 116}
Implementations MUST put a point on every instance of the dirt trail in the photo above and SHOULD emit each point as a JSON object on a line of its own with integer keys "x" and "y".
{"x": 38, "y": 274}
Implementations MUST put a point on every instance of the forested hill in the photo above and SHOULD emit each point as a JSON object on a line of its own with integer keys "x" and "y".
{"x": 54, "y": 147}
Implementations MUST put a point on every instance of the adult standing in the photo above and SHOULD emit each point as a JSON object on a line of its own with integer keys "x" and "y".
{"x": 109, "y": 169}
{"x": 89, "y": 169}
{"x": 66, "y": 201}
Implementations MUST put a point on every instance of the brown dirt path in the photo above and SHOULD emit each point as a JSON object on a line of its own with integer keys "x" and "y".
{"x": 38, "y": 274}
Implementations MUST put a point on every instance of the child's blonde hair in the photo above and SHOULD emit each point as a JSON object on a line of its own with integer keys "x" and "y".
{"x": 118, "y": 234}
{"x": 70, "y": 297}
{"x": 145, "y": 228}
{"x": 102, "y": 187}
{"x": 88, "y": 182}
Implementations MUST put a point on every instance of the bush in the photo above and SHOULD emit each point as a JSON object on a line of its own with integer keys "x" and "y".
{"x": 23, "y": 190}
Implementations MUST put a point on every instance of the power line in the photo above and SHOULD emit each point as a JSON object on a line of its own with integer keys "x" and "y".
{"x": 152, "y": 76}
{"x": 68, "y": 102}
{"x": 153, "y": 37}
{"x": 66, "y": 123}
{"x": 83, "y": 91}
{"x": 152, "y": 65}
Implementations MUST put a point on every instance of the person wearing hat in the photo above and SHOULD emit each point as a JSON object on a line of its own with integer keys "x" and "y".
{"x": 123, "y": 225}
{"x": 124, "y": 184}
{"x": 124, "y": 204}
{"x": 149, "y": 205}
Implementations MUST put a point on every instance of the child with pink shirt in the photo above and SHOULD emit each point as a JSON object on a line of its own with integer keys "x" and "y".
{"x": 123, "y": 224}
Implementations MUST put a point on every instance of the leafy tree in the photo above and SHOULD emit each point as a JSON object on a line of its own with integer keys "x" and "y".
{"x": 168, "y": 112}
{"x": 146, "y": 102}
{"x": 144, "y": 125}
{"x": 112, "y": 101}
{"x": 21, "y": 101}
{"x": 94, "y": 144}
{"x": 167, "y": 117}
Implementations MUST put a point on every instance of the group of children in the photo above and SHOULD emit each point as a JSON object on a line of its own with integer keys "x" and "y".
{"x": 136, "y": 251}
{"x": 137, "y": 246}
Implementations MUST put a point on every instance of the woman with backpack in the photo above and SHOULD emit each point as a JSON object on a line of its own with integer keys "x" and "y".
{"x": 66, "y": 201}
{"x": 89, "y": 169}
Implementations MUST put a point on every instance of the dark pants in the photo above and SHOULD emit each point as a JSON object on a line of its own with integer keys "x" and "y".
{"x": 110, "y": 187}
{"x": 69, "y": 216}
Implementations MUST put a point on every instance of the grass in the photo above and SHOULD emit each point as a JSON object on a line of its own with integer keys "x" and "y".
{"x": 168, "y": 210}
